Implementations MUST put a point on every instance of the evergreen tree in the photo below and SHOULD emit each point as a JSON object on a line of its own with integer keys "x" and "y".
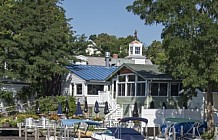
{"x": 35, "y": 39}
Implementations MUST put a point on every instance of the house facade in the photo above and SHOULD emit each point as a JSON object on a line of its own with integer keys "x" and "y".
{"x": 85, "y": 81}
{"x": 146, "y": 85}
{"x": 135, "y": 79}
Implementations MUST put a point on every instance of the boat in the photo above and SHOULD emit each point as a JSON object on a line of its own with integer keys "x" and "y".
{"x": 182, "y": 128}
{"x": 70, "y": 128}
{"x": 121, "y": 133}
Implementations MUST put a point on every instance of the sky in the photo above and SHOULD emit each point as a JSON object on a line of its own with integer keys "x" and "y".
{"x": 108, "y": 16}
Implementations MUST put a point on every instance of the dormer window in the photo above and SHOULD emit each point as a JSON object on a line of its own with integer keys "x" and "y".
{"x": 137, "y": 50}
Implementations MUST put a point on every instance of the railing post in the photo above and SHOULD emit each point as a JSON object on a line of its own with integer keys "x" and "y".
{"x": 182, "y": 131}
{"x": 174, "y": 133}
{"x": 193, "y": 133}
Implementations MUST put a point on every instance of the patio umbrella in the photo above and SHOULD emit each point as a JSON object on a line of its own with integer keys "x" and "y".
{"x": 37, "y": 107}
{"x": 59, "y": 112}
{"x": 67, "y": 108}
{"x": 164, "y": 105}
{"x": 86, "y": 108}
{"x": 135, "y": 112}
{"x": 78, "y": 111}
{"x": 106, "y": 109}
{"x": 96, "y": 108}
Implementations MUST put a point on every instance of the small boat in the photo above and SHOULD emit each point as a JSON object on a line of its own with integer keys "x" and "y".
{"x": 121, "y": 133}
{"x": 182, "y": 128}
{"x": 67, "y": 128}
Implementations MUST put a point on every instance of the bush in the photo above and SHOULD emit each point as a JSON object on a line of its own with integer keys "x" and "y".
{"x": 54, "y": 117}
{"x": 50, "y": 104}
{"x": 98, "y": 118}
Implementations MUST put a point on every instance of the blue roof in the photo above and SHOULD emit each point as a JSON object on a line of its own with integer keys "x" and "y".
{"x": 91, "y": 72}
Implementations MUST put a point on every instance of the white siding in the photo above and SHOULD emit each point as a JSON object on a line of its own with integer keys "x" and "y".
{"x": 67, "y": 81}
{"x": 139, "y": 61}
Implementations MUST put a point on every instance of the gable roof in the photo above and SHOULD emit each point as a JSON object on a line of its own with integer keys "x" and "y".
{"x": 91, "y": 72}
{"x": 145, "y": 71}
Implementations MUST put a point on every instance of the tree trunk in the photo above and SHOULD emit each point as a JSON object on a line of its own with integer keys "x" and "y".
{"x": 209, "y": 107}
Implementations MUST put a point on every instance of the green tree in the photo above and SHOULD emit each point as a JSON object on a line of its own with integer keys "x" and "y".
{"x": 79, "y": 45}
{"x": 189, "y": 39}
{"x": 112, "y": 43}
{"x": 155, "y": 52}
{"x": 35, "y": 39}
{"x": 123, "y": 43}
{"x": 107, "y": 43}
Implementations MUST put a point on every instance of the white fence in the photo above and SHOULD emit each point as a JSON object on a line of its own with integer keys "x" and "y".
{"x": 157, "y": 117}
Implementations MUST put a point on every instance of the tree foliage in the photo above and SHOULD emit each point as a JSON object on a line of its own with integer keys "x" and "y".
{"x": 80, "y": 44}
{"x": 112, "y": 43}
{"x": 189, "y": 39}
{"x": 155, "y": 52}
{"x": 35, "y": 39}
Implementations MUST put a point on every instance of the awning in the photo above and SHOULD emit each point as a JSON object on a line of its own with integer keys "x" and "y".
{"x": 134, "y": 119}
{"x": 181, "y": 120}
{"x": 71, "y": 122}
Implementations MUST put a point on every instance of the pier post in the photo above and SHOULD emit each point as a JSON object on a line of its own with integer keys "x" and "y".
{"x": 36, "y": 135}
{"x": 154, "y": 131}
{"x": 65, "y": 133}
{"x": 68, "y": 134}
{"x": 166, "y": 133}
{"x": 55, "y": 130}
{"x": 174, "y": 133}
{"x": 79, "y": 135}
{"x": 48, "y": 131}
{"x": 19, "y": 125}
{"x": 25, "y": 131}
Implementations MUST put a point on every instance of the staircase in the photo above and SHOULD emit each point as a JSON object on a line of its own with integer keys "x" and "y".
{"x": 115, "y": 114}
{"x": 116, "y": 111}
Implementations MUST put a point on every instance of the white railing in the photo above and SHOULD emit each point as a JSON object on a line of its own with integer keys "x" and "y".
{"x": 115, "y": 114}
{"x": 157, "y": 117}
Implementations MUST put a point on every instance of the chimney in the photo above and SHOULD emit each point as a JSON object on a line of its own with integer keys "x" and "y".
{"x": 107, "y": 58}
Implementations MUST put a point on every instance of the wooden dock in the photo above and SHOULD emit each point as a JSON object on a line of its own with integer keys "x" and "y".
{"x": 19, "y": 138}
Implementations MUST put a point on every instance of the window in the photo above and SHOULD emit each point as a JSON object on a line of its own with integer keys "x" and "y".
{"x": 175, "y": 88}
{"x": 163, "y": 89}
{"x": 137, "y": 50}
{"x": 159, "y": 89}
{"x": 140, "y": 89}
{"x": 93, "y": 89}
{"x": 131, "y": 89}
{"x": 109, "y": 88}
{"x": 114, "y": 95}
{"x": 79, "y": 89}
{"x": 72, "y": 87}
{"x": 131, "y": 50}
{"x": 115, "y": 86}
{"x": 122, "y": 78}
{"x": 131, "y": 78}
{"x": 154, "y": 89}
{"x": 121, "y": 89}
{"x": 140, "y": 79}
